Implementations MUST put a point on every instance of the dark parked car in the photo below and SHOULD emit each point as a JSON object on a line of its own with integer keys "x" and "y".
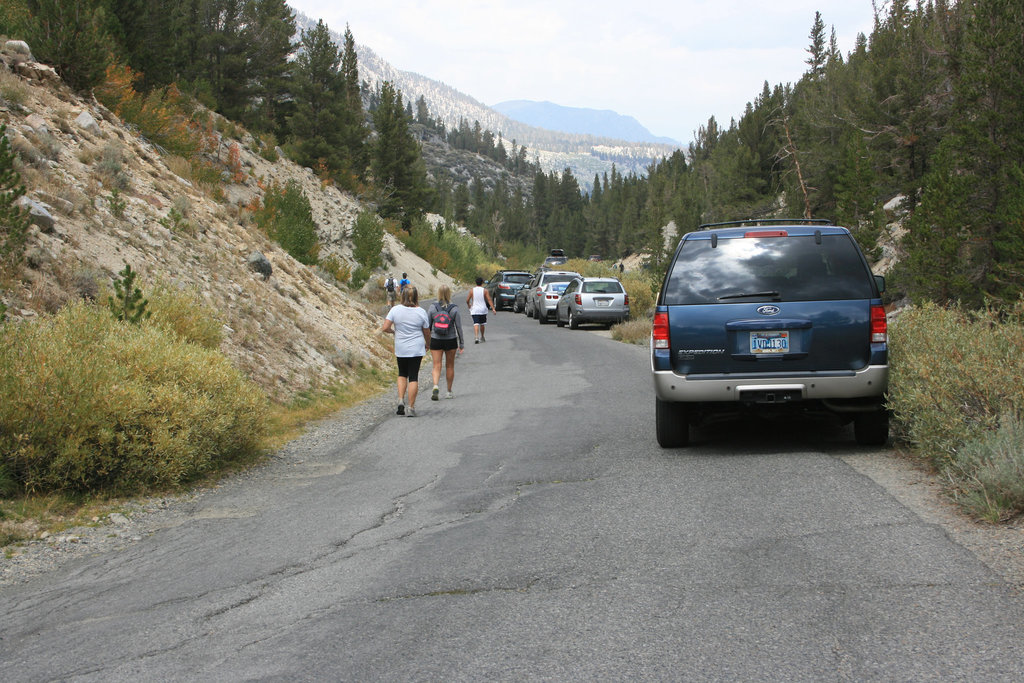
{"x": 541, "y": 278}
{"x": 592, "y": 300}
{"x": 757, "y": 317}
{"x": 504, "y": 285}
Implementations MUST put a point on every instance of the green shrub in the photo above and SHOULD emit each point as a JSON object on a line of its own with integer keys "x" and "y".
{"x": 93, "y": 404}
{"x": 287, "y": 217}
{"x": 989, "y": 472}
{"x": 14, "y": 220}
{"x": 367, "y": 240}
{"x": 954, "y": 374}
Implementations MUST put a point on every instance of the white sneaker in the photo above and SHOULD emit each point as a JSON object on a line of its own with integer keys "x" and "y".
{"x": 450, "y": 395}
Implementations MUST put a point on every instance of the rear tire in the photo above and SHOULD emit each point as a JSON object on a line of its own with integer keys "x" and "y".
{"x": 542, "y": 317}
{"x": 558, "y": 319}
{"x": 574, "y": 324}
{"x": 672, "y": 423}
{"x": 871, "y": 429}
{"x": 515, "y": 307}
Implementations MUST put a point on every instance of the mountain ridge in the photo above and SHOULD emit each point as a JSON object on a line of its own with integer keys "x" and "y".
{"x": 585, "y": 155}
{"x": 600, "y": 122}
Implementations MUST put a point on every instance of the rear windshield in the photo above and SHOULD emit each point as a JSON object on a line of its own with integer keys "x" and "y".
{"x": 746, "y": 269}
{"x": 602, "y": 288}
{"x": 557, "y": 286}
{"x": 558, "y": 278}
{"x": 518, "y": 279}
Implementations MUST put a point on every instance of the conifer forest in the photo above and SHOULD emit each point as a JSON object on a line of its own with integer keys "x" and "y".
{"x": 920, "y": 125}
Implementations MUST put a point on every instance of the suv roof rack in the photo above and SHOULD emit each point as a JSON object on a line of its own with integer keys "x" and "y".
{"x": 767, "y": 221}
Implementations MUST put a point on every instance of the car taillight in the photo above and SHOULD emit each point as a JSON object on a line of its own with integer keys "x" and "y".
{"x": 625, "y": 300}
{"x": 879, "y": 325}
{"x": 504, "y": 287}
{"x": 659, "y": 334}
{"x": 579, "y": 300}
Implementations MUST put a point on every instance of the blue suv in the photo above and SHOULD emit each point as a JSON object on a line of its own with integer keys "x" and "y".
{"x": 766, "y": 316}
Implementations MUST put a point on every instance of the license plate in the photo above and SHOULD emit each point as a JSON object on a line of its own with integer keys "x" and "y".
{"x": 769, "y": 342}
{"x": 603, "y": 302}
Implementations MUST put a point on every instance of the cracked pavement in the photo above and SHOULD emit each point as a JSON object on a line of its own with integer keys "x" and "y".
{"x": 529, "y": 529}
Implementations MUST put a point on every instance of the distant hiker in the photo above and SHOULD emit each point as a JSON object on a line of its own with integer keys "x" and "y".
{"x": 403, "y": 283}
{"x": 411, "y": 327}
{"x": 479, "y": 301}
{"x": 390, "y": 288}
{"x": 445, "y": 338}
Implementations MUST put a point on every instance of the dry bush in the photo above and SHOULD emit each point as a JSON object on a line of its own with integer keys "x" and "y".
{"x": 13, "y": 90}
{"x": 92, "y": 404}
{"x": 955, "y": 389}
{"x": 633, "y": 331}
{"x": 184, "y": 312}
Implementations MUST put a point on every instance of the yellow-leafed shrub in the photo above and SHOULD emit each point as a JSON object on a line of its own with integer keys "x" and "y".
{"x": 183, "y": 311}
{"x": 94, "y": 404}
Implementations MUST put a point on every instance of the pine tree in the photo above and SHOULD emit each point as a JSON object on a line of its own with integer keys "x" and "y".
{"x": 354, "y": 131}
{"x": 816, "y": 50}
{"x": 268, "y": 27}
{"x": 319, "y": 101}
{"x": 70, "y": 35}
{"x": 128, "y": 304}
{"x": 398, "y": 168}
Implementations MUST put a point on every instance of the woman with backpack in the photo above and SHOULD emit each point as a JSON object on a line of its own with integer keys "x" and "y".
{"x": 445, "y": 338}
{"x": 411, "y": 327}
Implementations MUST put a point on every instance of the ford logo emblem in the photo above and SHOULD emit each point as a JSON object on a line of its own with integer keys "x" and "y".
{"x": 768, "y": 310}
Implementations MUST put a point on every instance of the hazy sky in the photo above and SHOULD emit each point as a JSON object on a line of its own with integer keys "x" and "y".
{"x": 668, "y": 63}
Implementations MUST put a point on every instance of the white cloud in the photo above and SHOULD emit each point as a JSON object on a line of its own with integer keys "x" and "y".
{"x": 669, "y": 64}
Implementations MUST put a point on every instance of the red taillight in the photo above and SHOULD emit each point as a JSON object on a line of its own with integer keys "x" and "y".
{"x": 879, "y": 325}
{"x": 504, "y": 287}
{"x": 579, "y": 300}
{"x": 659, "y": 334}
{"x": 625, "y": 300}
{"x": 766, "y": 233}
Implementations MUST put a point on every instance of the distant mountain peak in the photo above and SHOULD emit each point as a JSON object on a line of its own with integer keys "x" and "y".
{"x": 598, "y": 122}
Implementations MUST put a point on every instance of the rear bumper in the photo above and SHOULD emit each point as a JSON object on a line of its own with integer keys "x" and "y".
{"x": 503, "y": 299}
{"x": 866, "y": 383}
{"x": 601, "y": 315}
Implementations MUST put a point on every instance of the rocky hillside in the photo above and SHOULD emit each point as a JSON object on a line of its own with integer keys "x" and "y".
{"x": 291, "y": 330}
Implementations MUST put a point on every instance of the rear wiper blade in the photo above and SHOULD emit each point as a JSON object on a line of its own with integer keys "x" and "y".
{"x": 744, "y": 295}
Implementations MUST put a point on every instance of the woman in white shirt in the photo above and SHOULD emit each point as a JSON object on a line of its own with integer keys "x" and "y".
{"x": 479, "y": 302}
{"x": 411, "y": 327}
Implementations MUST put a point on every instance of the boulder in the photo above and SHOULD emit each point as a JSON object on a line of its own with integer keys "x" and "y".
{"x": 34, "y": 71}
{"x": 19, "y": 48}
{"x": 259, "y": 263}
{"x": 85, "y": 121}
{"x": 38, "y": 215}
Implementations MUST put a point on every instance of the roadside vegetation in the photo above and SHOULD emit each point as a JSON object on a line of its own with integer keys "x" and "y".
{"x": 958, "y": 400}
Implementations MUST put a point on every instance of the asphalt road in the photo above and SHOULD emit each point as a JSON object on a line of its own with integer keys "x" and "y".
{"x": 529, "y": 529}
